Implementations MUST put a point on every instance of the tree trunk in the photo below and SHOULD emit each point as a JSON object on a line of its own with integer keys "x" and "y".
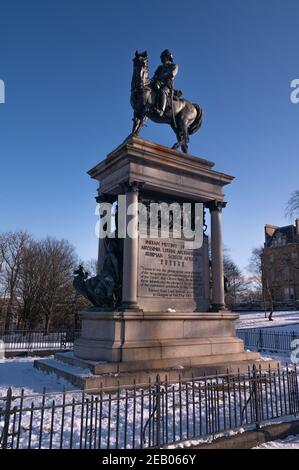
{"x": 47, "y": 325}
{"x": 271, "y": 309}
{"x": 8, "y": 317}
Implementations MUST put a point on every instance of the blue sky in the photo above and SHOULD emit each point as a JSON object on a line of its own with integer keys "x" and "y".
{"x": 67, "y": 68}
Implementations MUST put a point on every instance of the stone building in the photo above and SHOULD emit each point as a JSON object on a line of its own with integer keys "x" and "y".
{"x": 280, "y": 264}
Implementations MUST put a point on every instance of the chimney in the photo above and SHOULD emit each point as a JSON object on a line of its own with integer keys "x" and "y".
{"x": 269, "y": 230}
{"x": 297, "y": 226}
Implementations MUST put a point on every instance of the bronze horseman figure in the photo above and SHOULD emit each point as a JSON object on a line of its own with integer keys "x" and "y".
{"x": 157, "y": 100}
{"x": 163, "y": 81}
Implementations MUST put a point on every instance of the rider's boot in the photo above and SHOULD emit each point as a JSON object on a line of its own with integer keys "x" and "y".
{"x": 162, "y": 107}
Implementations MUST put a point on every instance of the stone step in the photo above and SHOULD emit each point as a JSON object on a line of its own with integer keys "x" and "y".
{"x": 75, "y": 375}
{"x": 100, "y": 367}
{"x": 83, "y": 378}
{"x": 69, "y": 358}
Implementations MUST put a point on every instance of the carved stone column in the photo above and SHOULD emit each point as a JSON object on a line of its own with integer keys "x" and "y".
{"x": 130, "y": 260}
{"x": 218, "y": 301}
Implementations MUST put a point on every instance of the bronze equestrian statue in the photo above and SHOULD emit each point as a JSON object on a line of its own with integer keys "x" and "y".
{"x": 157, "y": 100}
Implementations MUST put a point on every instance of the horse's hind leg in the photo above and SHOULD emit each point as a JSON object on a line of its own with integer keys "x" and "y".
{"x": 185, "y": 138}
{"x": 181, "y": 132}
{"x": 184, "y": 147}
{"x": 178, "y": 136}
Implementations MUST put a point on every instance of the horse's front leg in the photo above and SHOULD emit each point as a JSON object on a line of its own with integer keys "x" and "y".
{"x": 138, "y": 123}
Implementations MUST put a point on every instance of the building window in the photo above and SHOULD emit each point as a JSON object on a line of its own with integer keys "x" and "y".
{"x": 286, "y": 274}
{"x": 288, "y": 293}
{"x": 291, "y": 290}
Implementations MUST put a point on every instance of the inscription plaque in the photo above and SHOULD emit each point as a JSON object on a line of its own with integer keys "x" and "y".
{"x": 168, "y": 270}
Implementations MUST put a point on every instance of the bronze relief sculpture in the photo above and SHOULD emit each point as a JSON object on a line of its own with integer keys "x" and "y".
{"x": 104, "y": 289}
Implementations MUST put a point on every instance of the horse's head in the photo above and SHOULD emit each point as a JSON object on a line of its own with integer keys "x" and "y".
{"x": 140, "y": 74}
{"x": 140, "y": 59}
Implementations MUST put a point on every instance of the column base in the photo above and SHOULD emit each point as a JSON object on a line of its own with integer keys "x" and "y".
{"x": 130, "y": 307}
{"x": 218, "y": 308}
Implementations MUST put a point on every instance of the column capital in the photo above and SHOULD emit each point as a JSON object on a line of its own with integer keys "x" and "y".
{"x": 103, "y": 197}
{"x": 215, "y": 205}
{"x": 131, "y": 186}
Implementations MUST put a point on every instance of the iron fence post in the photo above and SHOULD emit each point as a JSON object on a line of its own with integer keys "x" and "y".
{"x": 256, "y": 398}
{"x": 261, "y": 342}
{"x": 158, "y": 411}
{"x": 6, "y": 418}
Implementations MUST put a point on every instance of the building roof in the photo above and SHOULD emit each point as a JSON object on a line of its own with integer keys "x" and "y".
{"x": 288, "y": 233}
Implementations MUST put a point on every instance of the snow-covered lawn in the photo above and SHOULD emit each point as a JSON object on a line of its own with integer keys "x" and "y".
{"x": 283, "y": 359}
{"x": 282, "y": 321}
{"x": 290, "y": 442}
{"x": 19, "y": 373}
{"x": 111, "y": 419}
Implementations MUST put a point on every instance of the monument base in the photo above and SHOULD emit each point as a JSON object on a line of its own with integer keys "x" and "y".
{"x": 123, "y": 347}
{"x": 92, "y": 376}
{"x": 131, "y": 336}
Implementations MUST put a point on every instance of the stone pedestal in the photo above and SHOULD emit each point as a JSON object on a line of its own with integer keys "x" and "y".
{"x": 172, "y": 312}
{"x": 157, "y": 339}
{"x": 168, "y": 314}
{"x": 141, "y": 169}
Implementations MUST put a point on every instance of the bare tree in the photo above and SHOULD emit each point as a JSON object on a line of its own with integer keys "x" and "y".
{"x": 292, "y": 207}
{"x": 255, "y": 267}
{"x": 57, "y": 261}
{"x": 261, "y": 275}
{"x": 30, "y": 287}
{"x": 12, "y": 246}
{"x": 236, "y": 284}
{"x": 2, "y": 289}
{"x": 36, "y": 280}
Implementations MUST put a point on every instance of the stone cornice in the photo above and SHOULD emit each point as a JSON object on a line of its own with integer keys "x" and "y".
{"x": 157, "y": 155}
{"x": 94, "y": 314}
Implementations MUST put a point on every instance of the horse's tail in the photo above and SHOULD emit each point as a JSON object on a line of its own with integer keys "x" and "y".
{"x": 197, "y": 121}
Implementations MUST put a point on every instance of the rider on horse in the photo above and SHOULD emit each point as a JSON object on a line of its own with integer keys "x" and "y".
{"x": 156, "y": 99}
{"x": 163, "y": 81}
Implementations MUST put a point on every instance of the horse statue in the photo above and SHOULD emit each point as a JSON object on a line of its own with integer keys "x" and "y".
{"x": 184, "y": 117}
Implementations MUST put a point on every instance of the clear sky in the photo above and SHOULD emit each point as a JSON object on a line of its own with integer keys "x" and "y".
{"x": 67, "y": 68}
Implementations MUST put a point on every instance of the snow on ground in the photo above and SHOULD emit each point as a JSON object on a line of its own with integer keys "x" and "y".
{"x": 283, "y": 359}
{"x": 289, "y": 320}
{"x": 290, "y": 442}
{"x": 19, "y": 373}
{"x": 284, "y": 329}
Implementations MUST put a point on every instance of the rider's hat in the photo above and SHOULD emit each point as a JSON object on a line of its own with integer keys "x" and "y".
{"x": 166, "y": 53}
